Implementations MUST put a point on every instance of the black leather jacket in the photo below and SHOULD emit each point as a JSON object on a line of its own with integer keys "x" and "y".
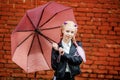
{"x": 72, "y": 60}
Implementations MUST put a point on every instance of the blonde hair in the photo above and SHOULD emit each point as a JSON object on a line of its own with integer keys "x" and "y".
{"x": 69, "y": 24}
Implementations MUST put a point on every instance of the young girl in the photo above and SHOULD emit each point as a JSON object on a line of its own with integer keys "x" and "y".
{"x": 65, "y": 59}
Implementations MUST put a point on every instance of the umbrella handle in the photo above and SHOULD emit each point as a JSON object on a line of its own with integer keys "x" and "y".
{"x": 58, "y": 59}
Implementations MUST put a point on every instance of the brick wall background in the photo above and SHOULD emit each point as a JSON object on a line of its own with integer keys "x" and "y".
{"x": 99, "y": 31}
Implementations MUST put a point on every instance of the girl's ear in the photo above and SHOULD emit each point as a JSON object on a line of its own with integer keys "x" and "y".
{"x": 62, "y": 30}
{"x": 76, "y": 31}
{"x": 73, "y": 39}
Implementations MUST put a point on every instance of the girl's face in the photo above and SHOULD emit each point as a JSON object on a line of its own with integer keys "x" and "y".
{"x": 68, "y": 32}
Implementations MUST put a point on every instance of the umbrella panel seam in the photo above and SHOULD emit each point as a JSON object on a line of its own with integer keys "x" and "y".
{"x": 42, "y": 49}
{"x": 54, "y": 16}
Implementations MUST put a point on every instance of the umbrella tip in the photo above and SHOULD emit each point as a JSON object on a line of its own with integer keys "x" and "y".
{"x": 37, "y": 31}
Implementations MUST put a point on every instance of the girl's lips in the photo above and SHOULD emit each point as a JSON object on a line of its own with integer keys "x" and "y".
{"x": 68, "y": 37}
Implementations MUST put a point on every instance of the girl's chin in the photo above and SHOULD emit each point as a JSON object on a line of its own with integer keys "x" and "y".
{"x": 68, "y": 38}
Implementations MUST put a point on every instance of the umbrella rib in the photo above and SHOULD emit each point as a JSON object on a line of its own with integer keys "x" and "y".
{"x": 31, "y": 21}
{"x": 30, "y": 50}
{"x": 25, "y": 39}
{"x": 40, "y": 43}
{"x": 50, "y": 28}
{"x": 31, "y": 44}
{"x": 54, "y": 16}
{"x": 39, "y": 32}
{"x": 42, "y": 49}
{"x": 24, "y": 30}
{"x": 50, "y": 40}
{"x": 42, "y": 14}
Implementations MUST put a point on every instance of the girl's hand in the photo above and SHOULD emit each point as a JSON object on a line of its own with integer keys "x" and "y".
{"x": 61, "y": 51}
{"x": 55, "y": 46}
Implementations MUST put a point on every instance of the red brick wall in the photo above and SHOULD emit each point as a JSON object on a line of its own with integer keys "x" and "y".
{"x": 99, "y": 31}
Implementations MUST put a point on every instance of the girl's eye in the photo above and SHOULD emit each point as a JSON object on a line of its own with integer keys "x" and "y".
{"x": 67, "y": 31}
{"x": 72, "y": 32}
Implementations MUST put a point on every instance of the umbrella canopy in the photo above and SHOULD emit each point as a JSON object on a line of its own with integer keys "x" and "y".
{"x": 31, "y": 40}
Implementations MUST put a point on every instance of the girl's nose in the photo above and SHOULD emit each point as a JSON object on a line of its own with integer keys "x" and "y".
{"x": 69, "y": 33}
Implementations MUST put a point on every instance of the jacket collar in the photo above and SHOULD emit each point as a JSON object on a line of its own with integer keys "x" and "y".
{"x": 72, "y": 48}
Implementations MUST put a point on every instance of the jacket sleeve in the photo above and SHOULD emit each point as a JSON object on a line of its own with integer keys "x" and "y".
{"x": 54, "y": 56}
{"x": 73, "y": 59}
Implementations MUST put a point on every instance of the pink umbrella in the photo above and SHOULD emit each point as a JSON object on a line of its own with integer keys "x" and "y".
{"x": 32, "y": 38}
{"x": 80, "y": 52}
